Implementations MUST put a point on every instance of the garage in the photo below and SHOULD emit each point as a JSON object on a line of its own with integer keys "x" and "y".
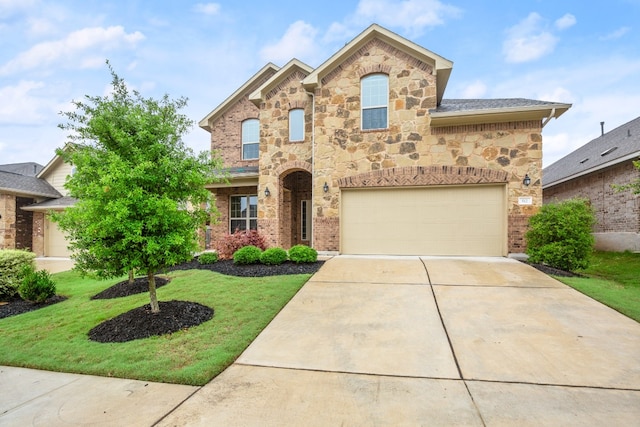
{"x": 440, "y": 220}
{"x": 54, "y": 240}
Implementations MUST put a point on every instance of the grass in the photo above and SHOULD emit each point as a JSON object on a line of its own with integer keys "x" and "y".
{"x": 613, "y": 278}
{"x": 55, "y": 337}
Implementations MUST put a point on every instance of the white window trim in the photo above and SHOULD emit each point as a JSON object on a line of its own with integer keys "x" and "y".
{"x": 371, "y": 107}
{"x": 303, "y": 133}
{"x": 243, "y": 143}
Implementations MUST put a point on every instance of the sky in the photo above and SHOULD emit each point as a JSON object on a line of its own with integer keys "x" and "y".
{"x": 53, "y": 52}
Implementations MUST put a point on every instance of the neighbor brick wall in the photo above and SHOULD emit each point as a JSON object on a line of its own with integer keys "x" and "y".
{"x": 24, "y": 224}
{"x": 615, "y": 211}
{"x": 38, "y": 233}
{"x": 8, "y": 221}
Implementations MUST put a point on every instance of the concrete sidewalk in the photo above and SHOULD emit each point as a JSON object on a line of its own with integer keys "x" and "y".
{"x": 387, "y": 341}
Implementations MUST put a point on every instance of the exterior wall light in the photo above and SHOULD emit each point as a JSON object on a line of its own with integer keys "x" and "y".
{"x": 267, "y": 193}
{"x": 526, "y": 181}
{"x": 325, "y": 187}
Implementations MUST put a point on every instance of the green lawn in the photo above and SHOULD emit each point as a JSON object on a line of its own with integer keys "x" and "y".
{"x": 613, "y": 278}
{"x": 55, "y": 337}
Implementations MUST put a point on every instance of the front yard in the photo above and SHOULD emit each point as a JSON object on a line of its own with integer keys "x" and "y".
{"x": 55, "y": 337}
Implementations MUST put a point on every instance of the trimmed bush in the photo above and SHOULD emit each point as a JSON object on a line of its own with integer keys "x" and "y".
{"x": 302, "y": 253}
{"x": 273, "y": 256}
{"x": 36, "y": 286}
{"x": 208, "y": 258}
{"x": 230, "y": 243}
{"x": 11, "y": 264}
{"x": 560, "y": 235}
{"x": 247, "y": 255}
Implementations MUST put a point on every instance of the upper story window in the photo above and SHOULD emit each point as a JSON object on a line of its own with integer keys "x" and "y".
{"x": 375, "y": 101}
{"x": 296, "y": 124}
{"x": 250, "y": 139}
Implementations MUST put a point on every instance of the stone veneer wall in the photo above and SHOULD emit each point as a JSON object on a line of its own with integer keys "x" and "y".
{"x": 7, "y": 222}
{"x": 344, "y": 150}
{"x": 615, "y": 211}
{"x": 38, "y": 233}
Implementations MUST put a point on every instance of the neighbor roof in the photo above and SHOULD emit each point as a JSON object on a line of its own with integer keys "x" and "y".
{"x": 472, "y": 111}
{"x": 26, "y": 185}
{"x": 616, "y": 146}
{"x": 28, "y": 168}
{"x": 51, "y": 204}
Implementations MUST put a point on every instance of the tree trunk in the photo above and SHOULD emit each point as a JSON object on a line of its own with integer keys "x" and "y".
{"x": 155, "y": 308}
{"x": 131, "y": 278}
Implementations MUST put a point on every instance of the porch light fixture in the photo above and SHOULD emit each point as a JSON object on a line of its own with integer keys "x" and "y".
{"x": 526, "y": 181}
{"x": 325, "y": 187}
{"x": 267, "y": 193}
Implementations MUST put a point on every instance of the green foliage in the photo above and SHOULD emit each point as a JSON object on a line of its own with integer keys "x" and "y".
{"x": 208, "y": 258}
{"x": 560, "y": 235}
{"x": 11, "y": 264}
{"x": 247, "y": 255}
{"x": 634, "y": 186}
{"x": 230, "y": 243}
{"x": 273, "y": 256}
{"x": 302, "y": 253}
{"x": 141, "y": 192}
{"x": 36, "y": 286}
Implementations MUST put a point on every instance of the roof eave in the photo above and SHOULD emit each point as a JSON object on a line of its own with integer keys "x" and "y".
{"x": 498, "y": 115}
{"x": 257, "y": 95}
{"x": 236, "y": 180}
{"x": 17, "y": 191}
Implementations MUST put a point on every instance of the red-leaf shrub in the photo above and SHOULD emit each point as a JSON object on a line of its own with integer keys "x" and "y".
{"x": 230, "y": 243}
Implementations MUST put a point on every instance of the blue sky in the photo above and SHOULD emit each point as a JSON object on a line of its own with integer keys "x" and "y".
{"x": 578, "y": 52}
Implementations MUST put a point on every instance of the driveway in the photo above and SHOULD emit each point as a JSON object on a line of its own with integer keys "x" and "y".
{"x": 430, "y": 341}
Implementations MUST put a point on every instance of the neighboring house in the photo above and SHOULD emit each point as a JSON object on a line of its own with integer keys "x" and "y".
{"x": 590, "y": 171}
{"x": 28, "y": 192}
{"x": 363, "y": 155}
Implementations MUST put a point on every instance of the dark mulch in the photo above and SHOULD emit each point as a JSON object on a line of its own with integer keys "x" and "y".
{"x": 252, "y": 270}
{"x": 142, "y": 323}
{"x": 16, "y": 305}
{"x": 553, "y": 271}
{"x": 124, "y": 289}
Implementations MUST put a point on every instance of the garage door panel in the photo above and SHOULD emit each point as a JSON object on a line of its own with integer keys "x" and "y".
{"x": 426, "y": 221}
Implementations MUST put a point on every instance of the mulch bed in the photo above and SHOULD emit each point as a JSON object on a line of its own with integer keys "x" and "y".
{"x": 174, "y": 315}
{"x": 553, "y": 271}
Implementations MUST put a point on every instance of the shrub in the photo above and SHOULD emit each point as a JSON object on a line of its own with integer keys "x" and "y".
{"x": 11, "y": 264}
{"x": 247, "y": 255}
{"x": 273, "y": 256}
{"x": 36, "y": 286}
{"x": 230, "y": 243}
{"x": 560, "y": 235}
{"x": 208, "y": 258}
{"x": 302, "y": 253}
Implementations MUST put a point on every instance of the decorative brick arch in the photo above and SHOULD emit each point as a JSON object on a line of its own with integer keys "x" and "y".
{"x": 245, "y": 115}
{"x": 374, "y": 69}
{"x": 423, "y": 176}
{"x": 292, "y": 167}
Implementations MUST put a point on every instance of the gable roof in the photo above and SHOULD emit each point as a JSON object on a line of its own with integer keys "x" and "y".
{"x": 284, "y": 72}
{"x": 472, "y": 111}
{"x": 265, "y": 73}
{"x": 441, "y": 66}
{"x": 616, "y": 146}
{"x": 26, "y": 185}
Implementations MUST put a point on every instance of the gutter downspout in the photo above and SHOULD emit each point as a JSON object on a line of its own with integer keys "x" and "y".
{"x": 551, "y": 116}
{"x": 313, "y": 158}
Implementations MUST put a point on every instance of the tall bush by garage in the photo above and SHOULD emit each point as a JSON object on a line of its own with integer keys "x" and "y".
{"x": 11, "y": 264}
{"x": 560, "y": 235}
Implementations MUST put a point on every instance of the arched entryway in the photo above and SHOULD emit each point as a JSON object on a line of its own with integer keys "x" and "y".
{"x": 295, "y": 208}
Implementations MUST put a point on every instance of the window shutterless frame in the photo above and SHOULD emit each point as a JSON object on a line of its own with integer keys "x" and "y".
{"x": 296, "y": 124}
{"x": 250, "y": 139}
{"x": 243, "y": 212}
{"x": 374, "y": 91}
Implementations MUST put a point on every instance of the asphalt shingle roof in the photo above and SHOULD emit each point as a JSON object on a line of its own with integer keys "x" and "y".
{"x": 613, "y": 147}
{"x": 27, "y": 185}
{"x": 28, "y": 169}
{"x": 62, "y": 202}
{"x": 455, "y": 105}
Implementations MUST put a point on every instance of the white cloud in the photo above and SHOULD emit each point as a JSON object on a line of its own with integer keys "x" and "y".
{"x": 207, "y": 8}
{"x": 568, "y": 20}
{"x": 411, "y": 15}
{"x": 616, "y": 34}
{"x": 476, "y": 89}
{"x": 527, "y": 41}
{"x": 9, "y": 7}
{"x": 299, "y": 41}
{"x": 558, "y": 94}
{"x": 19, "y": 105}
{"x": 67, "y": 49}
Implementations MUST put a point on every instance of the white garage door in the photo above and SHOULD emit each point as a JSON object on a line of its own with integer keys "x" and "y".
{"x": 447, "y": 220}
{"x": 55, "y": 240}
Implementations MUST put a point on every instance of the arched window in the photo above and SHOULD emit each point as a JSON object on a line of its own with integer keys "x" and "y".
{"x": 250, "y": 139}
{"x": 296, "y": 124}
{"x": 374, "y": 90}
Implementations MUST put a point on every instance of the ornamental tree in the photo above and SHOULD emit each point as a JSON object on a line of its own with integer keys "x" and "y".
{"x": 141, "y": 192}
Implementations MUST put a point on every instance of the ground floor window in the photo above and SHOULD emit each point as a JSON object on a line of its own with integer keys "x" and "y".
{"x": 244, "y": 213}
{"x": 305, "y": 224}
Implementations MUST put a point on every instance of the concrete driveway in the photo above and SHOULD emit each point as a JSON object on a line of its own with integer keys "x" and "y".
{"x": 430, "y": 341}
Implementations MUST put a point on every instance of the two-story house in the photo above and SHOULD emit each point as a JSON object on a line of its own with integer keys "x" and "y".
{"x": 363, "y": 155}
